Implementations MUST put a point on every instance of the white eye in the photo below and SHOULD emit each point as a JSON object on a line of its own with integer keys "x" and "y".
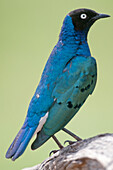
{"x": 83, "y": 16}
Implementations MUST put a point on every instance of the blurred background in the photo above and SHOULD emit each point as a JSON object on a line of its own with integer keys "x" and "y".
{"x": 29, "y": 31}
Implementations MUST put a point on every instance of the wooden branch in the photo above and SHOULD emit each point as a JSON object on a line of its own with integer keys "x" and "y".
{"x": 95, "y": 153}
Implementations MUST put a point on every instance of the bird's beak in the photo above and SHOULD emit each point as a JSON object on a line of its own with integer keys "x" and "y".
{"x": 98, "y": 16}
{"x": 101, "y": 16}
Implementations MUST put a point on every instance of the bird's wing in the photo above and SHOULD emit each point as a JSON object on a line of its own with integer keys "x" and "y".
{"x": 73, "y": 86}
{"x": 76, "y": 75}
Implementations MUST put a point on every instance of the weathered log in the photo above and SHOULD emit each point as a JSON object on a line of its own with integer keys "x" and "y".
{"x": 95, "y": 153}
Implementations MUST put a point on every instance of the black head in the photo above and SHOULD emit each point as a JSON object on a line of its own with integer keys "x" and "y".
{"x": 83, "y": 18}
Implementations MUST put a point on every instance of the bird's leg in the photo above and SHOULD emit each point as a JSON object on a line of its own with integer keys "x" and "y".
{"x": 71, "y": 134}
{"x": 58, "y": 143}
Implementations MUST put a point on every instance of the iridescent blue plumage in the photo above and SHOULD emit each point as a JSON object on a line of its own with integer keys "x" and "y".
{"x": 69, "y": 77}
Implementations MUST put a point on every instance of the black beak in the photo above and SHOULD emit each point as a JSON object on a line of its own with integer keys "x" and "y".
{"x": 98, "y": 16}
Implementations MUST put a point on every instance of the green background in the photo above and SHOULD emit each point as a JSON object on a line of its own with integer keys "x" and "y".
{"x": 29, "y": 31}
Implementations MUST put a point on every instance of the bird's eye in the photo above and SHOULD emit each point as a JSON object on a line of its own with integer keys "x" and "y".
{"x": 83, "y": 16}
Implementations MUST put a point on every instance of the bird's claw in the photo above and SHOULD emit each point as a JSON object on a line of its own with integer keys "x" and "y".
{"x": 53, "y": 152}
{"x": 69, "y": 141}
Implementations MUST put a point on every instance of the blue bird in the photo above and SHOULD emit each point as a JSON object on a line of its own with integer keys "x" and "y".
{"x": 69, "y": 77}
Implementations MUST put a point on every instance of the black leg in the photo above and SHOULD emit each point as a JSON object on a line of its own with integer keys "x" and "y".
{"x": 57, "y": 142}
{"x": 72, "y": 134}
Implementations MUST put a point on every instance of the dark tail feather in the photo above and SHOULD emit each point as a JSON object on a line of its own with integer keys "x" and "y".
{"x": 40, "y": 139}
{"x": 20, "y": 142}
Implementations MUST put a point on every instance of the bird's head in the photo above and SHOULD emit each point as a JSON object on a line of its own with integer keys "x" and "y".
{"x": 83, "y": 19}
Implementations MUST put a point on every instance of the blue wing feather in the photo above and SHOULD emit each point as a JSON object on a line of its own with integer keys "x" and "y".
{"x": 76, "y": 92}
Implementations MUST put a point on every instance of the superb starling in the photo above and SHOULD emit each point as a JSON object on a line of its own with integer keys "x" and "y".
{"x": 69, "y": 77}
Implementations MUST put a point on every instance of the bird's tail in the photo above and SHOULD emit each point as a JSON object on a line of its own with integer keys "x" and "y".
{"x": 40, "y": 139}
{"x": 20, "y": 142}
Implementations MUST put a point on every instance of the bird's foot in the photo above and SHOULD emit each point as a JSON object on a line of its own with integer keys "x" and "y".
{"x": 53, "y": 152}
{"x": 58, "y": 143}
{"x": 70, "y": 142}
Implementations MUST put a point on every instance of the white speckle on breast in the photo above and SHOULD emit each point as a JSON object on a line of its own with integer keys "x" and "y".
{"x": 41, "y": 123}
{"x": 37, "y": 95}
